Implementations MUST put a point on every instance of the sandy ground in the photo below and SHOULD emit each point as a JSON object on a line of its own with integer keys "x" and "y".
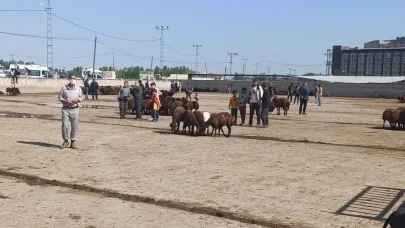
{"x": 299, "y": 172}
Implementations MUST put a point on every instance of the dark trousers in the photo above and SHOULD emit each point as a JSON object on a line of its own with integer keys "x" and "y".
{"x": 289, "y": 97}
{"x": 303, "y": 106}
{"x": 138, "y": 107}
{"x": 123, "y": 108}
{"x": 296, "y": 98}
{"x": 234, "y": 113}
{"x": 254, "y": 107}
{"x": 265, "y": 115}
{"x": 92, "y": 96}
{"x": 188, "y": 95}
{"x": 242, "y": 111}
{"x": 155, "y": 114}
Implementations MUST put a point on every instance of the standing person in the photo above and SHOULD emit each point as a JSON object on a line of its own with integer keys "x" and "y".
{"x": 189, "y": 90}
{"x": 172, "y": 86}
{"x": 320, "y": 94}
{"x": 124, "y": 94}
{"x": 138, "y": 94}
{"x": 176, "y": 87}
{"x": 155, "y": 105}
{"x": 94, "y": 89}
{"x": 304, "y": 94}
{"x": 70, "y": 96}
{"x": 17, "y": 73}
{"x": 229, "y": 88}
{"x": 243, "y": 99}
{"x": 233, "y": 106}
{"x": 265, "y": 106}
{"x": 297, "y": 95}
{"x": 143, "y": 88}
{"x": 256, "y": 94}
{"x": 290, "y": 92}
{"x": 316, "y": 95}
{"x": 147, "y": 84}
{"x": 86, "y": 88}
{"x": 272, "y": 91}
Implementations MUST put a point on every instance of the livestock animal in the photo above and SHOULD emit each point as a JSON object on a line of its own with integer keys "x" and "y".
{"x": 202, "y": 118}
{"x": 387, "y": 115}
{"x": 401, "y": 98}
{"x": 218, "y": 120}
{"x": 177, "y": 118}
{"x": 395, "y": 220}
{"x": 146, "y": 106}
{"x": 190, "y": 121}
{"x": 196, "y": 106}
{"x": 395, "y": 117}
{"x": 13, "y": 91}
{"x": 131, "y": 106}
{"x": 281, "y": 102}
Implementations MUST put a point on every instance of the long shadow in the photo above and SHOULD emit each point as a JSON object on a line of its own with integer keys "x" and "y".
{"x": 195, "y": 208}
{"x": 385, "y": 128}
{"x": 372, "y": 203}
{"x": 42, "y": 144}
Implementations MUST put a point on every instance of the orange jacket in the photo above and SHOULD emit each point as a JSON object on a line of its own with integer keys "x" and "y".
{"x": 233, "y": 102}
{"x": 320, "y": 91}
{"x": 156, "y": 102}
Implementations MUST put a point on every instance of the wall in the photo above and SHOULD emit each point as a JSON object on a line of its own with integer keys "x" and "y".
{"x": 31, "y": 85}
{"x": 370, "y": 90}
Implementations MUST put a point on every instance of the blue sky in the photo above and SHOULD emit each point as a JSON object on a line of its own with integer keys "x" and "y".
{"x": 294, "y": 32}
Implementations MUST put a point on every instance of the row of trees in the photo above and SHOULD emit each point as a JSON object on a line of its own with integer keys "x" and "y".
{"x": 132, "y": 72}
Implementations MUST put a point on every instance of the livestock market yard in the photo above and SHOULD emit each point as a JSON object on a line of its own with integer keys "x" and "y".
{"x": 335, "y": 167}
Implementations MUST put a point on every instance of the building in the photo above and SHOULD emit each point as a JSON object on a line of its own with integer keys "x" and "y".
{"x": 377, "y": 58}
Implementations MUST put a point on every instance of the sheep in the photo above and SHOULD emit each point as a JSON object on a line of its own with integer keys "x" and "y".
{"x": 202, "y": 118}
{"x": 177, "y": 118}
{"x": 395, "y": 117}
{"x": 146, "y": 106}
{"x": 218, "y": 120}
{"x": 131, "y": 106}
{"x": 387, "y": 115}
{"x": 281, "y": 102}
{"x": 190, "y": 121}
{"x": 13, "y": 91}
{"x": 395, "y": 220}
{"x": 196, "y": 106}
{"x": 175, "y": 105}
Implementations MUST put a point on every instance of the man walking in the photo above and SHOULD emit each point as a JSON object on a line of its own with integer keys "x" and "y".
{"x": 70, "y": 96}
{"x": 124, "y": 94}
{"x": 316, "y": 95}
{"x": 256, "y": 94}
{"x": 290, "y": 92}
{"x": 304, "y": 94}
{"x": 86, "y": 88}
{"x": 138, "y": 93}
{"x": 297, "y": 95}
{"x": 243, "y": 99}
{"x": 189, "y": 90}
{"x": 265, "y": 106}
{"x": 94, "y": 89}
{"x": 320, "y": 94}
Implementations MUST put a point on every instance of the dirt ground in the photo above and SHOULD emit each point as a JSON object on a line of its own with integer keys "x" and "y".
{"x": 335, "y": 167}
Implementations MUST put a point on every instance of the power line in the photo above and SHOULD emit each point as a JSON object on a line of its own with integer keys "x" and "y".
{"x": 175, "y": 50}
{"x": 216, "y": 62}
{"x": 122, "y": 52}
{"x": 66, "y": 57}
{"x": 99, "y": 33}
{"x": 20, "y": 10}
{"x": 43, "y": 37}
{"x": 296, "y": 65}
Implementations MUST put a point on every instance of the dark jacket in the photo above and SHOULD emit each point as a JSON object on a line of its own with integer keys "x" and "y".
{"x": 93, "y": 87}
{"x": 304, "y": 93}
{"x": 143, "y": 90}
{"x": 296, "y": 90}
{"x": 291, "y": 89}
{"x": 137, "y": 91}
{"x": 86, "y": 83}
{"x": 272, "y": 91}
{"x": 266, "y": 98}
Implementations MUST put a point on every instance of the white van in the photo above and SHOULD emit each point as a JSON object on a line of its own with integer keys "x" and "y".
{"x": 98, "y": 74}
{"x": 32, "y": 71}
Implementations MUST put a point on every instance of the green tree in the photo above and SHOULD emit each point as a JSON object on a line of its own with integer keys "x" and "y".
{"x": 341, "y": 73}
{"x": 309, "y": 74}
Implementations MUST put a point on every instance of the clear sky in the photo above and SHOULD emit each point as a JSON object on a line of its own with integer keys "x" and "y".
{"x": 294, "y": 32}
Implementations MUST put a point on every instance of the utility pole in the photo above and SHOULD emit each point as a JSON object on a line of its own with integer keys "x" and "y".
{"x": 12, "y": 58}
{"x": 196, "y": 56}
{"x": 328, "y": 61}
{"x": 244, "y": 64}
{"x": 256, "y": 64}
{"x": 94, "y": 57}
{"x": 49, "y": 45}
{"x": 113, "y": 60}
{"x": 206, "y": 71}
{"x": 151, "y": 68}
{"x": 268, "y": 67}
{"x": 230, "y": 61}
{"x": 161, "y": 28}
{"x": 290, "y": 69}
{"x": 294, "y": 72}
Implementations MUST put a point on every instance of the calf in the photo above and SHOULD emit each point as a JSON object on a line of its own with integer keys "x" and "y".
{"x": 281, "y": 102}
{"x": 202, "y": 118}
{"x": 387, "y": 115}
{"x": 218, "y": 120}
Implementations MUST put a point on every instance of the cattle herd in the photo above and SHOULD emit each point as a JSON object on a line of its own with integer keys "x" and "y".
{"x": 395, "y": 117}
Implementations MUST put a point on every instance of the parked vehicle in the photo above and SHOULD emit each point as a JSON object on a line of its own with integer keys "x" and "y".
{"x": 31, "y": 71}
{"x": 86, "y": 72}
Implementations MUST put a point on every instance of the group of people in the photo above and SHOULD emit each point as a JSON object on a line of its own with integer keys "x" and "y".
{"x": 260, "y": 100}
{"x": 91, "y": 88}
{"x": 138, "y": 92}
